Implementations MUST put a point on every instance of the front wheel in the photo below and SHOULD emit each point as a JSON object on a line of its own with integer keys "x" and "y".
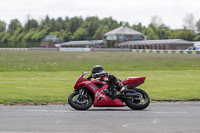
{"x": 80, "y": 102}
{"x": 139, "y": 102}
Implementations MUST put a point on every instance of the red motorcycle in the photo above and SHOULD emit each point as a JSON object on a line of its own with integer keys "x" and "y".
{"x": 101, "y": 93}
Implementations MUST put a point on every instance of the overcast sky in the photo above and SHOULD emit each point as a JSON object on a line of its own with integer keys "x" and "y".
{"x": 172, "y": 12}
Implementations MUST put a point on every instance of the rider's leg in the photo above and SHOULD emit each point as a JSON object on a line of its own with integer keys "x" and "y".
{"x": 116, "y": 81}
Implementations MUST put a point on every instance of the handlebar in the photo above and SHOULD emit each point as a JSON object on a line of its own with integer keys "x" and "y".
{"x": 83, "y": 73}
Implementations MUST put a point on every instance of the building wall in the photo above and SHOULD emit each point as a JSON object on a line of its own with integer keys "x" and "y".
{"x": 47, "y": 44}
{"x": 85, "y": 46}
{"x": 179, "y": 46}
{"x": 159, "y": 46}
{"x": 122, "y": 38}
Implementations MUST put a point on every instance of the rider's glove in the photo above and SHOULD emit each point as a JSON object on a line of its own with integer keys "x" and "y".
{"x": 90, "y": 77}
{"x": 93, "y": 75}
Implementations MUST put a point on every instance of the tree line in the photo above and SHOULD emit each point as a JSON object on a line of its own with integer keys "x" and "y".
{"x": 77, "y": 28}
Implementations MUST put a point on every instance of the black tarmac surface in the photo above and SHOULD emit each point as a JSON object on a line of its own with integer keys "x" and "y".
{"x": 180, "y": 117}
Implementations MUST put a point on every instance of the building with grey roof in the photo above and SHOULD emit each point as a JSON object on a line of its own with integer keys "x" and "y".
{"x": 50, "y": 41}
{"x": 158, "y": 44}
{"x": 84, "y": 43}
{"x": 122, "y": 34}
{"x": 126, "y": 37}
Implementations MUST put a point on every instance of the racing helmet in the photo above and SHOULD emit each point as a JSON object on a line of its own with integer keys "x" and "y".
{"x": 97, "y": 69}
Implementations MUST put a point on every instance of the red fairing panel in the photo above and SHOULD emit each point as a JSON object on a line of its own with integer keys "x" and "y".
{"x": 78, "y": 84}
{"x": 134, "y": 81}
{"x": 102, "y": 100}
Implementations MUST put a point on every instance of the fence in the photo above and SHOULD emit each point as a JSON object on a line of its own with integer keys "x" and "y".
{"x": 28, "y": 49}
{"x": 110, "y": 50}
{"x": 166, "y": 51}
{"x": 75, "y": 49}
{"x": 14, "y": 49}
{"x": 107, "y": 50}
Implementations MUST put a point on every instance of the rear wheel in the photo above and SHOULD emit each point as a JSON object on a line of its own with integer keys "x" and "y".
{"x": 139, "y": 102}
{"x": 80, "y": 102}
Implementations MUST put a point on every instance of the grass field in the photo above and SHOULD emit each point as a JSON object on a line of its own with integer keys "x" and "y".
{"x": 48, "y": 77}
{"x": 77, "y": 61}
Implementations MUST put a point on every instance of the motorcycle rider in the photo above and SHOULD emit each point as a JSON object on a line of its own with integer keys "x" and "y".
{"x": 98, "y": 72}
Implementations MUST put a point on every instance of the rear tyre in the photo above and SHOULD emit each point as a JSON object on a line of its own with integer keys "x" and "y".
{"x": 80, "y": 102}
{"x": 138, "y": 103}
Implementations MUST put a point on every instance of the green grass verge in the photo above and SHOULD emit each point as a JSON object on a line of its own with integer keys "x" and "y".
{"x": 77, "y": 61}
{"x": 35, "y": 77}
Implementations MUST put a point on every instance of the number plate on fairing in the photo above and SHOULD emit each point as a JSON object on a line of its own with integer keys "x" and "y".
{"x": 93, "y": 87}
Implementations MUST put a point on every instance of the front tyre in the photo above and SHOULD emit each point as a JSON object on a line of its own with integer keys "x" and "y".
{"x": 139, "y": 102}
{"x": 80, "y": 102}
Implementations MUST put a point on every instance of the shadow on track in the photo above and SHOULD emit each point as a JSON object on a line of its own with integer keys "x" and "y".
{"x": 111, "y": 109}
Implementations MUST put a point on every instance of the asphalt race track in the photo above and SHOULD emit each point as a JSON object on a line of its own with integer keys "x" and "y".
{"x": 157, "y": 118}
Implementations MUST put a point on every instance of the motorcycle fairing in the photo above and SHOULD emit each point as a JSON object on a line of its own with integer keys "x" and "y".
{"x": 134, "y": 81}
{"x": 100, "y": 98}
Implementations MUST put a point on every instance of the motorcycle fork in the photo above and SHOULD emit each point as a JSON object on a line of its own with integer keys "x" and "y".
{"x": 83, "y": 92}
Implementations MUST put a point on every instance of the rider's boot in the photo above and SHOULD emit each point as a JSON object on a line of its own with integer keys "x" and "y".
{"x": 122, "y": 89}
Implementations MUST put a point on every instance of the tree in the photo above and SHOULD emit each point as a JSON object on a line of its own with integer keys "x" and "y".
{"x": 163, "y": 32}
{"x": 4, "y": 36}
{"x": 29, "y": 35}
{"x": 45, "y": 22}
{"x": 139, "y": 27}
{"x": 64, "y": 35}
{"x": 38, "y": 35}
{"x": 160, "y": 32}
{"x": 93, "y": 24}
{"x": 20, "y": 36}
{"x": 75, "y": 23}
{"x": 14, "y": 25}
{"x": 149, "y": 32}
{"x": 189, "y": 22}
{"x": 198, "y": 29}
{"x": 156, "y": 21}
{"x": 32, "y": 23}
{"x": 198, "y": 25}
{"x": 100, "y": 31}
{"x": 2, "y": 26}
{"x": 183, "y": 34}
{"x": 15, "y": 34}
{"x": 110, "y": 22}
{"x": 52, "y": 25}
{"x": 60, "y": 24}
{"x": 80, "y": 34}
{"x": 77, "y": 28}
